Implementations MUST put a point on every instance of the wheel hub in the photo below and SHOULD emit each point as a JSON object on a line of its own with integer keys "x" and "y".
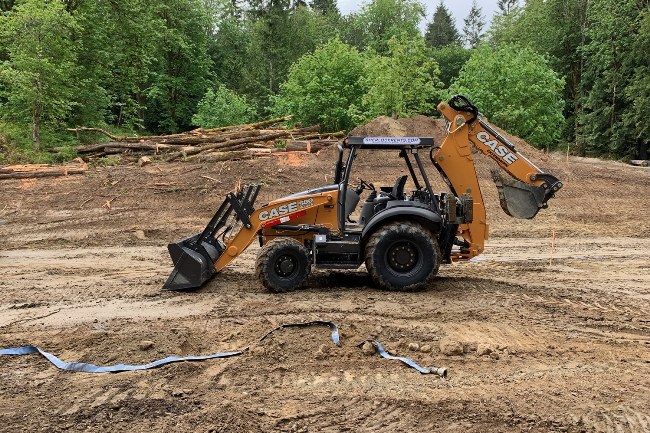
{"x": 285, "y": 265}
{"x": 402, "y": 256}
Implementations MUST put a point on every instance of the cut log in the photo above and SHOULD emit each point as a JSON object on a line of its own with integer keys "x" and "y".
{"x": 102, "y": 131}
{"x": 256, "y": 125}
{"x": 40, "y": 170}
{"x": 311, "y": 146}
{"x": 32, "y": 174}
{"x": 223, "y": 156}
{"x": 338, "y": 134}
{"x": 145, "y": 145}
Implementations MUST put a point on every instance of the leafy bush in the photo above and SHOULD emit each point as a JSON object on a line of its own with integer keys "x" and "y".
{"x": 402, "y": 83}
{"x": 321, "y": 86}
{"x": 222, "y": 107}
{"x": 451, "y": 59}
{"x": 517, "y": 90}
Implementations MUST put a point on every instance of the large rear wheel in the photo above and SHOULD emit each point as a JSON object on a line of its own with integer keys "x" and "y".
{"x": 402, "y": 256}
{"x": 283, "y": 265}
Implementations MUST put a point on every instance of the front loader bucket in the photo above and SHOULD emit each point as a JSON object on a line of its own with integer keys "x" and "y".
{"x": 195, "y": 256}
{"x": 193, "y": 265}
{"x": 521, "y": 200}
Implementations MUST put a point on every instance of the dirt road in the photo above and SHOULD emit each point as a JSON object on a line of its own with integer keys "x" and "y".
{"x": 530, "y": 345}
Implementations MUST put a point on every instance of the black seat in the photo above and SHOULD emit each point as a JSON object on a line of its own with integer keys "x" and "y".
{"x": 398, "y": 189}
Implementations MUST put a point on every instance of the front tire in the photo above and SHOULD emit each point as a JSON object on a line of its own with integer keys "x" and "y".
{"x": 402, "y": 256}
{"x": 283, "y": 265}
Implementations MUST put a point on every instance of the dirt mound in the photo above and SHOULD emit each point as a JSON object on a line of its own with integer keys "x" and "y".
{"x": 424, "y": 126}
{"x": 418, "y": 126}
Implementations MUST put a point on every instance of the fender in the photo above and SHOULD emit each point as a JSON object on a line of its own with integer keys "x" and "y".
{"x": 425, "y": 216}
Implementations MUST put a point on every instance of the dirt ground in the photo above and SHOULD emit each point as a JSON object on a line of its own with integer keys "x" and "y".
{"x": 534, "y": 339}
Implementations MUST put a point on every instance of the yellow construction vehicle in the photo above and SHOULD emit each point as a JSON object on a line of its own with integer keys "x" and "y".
{"x": 402, "y": 238}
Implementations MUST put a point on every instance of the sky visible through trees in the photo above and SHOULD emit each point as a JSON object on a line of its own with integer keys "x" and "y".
{"x": 458, "y": 9}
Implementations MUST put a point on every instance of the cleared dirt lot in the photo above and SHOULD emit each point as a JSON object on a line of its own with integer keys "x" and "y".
{"x": 568, "y": 341}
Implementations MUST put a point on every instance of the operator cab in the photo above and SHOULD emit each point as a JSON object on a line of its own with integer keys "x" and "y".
{"x": 386, "y": 197}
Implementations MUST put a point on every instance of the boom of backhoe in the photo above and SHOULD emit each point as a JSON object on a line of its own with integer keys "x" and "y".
{"x": 401, "y": 237}
{"x": 521, "y": 196}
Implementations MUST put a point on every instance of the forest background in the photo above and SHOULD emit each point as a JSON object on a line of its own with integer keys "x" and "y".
{"x": 573, "y": 74}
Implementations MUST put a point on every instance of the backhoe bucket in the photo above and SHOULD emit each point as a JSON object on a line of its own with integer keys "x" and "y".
{"x": 523, "y": 201}
{"x": 195, "y": 256}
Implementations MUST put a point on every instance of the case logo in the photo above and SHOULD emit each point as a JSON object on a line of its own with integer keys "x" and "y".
{"x": 500, "y": 150}
{"x": 285, "y": 209}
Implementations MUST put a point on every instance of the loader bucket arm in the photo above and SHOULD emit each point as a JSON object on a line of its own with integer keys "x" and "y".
{"x": 194, "y": 257}
{"x": 199, "y": 257}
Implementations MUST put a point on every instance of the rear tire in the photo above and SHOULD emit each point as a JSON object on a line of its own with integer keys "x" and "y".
{"x": 402, "y": 256}
{"x": 283, "y": 265}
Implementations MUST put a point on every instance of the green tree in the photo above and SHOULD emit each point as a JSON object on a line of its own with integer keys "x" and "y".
{"x": 182, "y": 69}
{"x": 277, "y": 39}
{"x": 321, "y": 87}
{"x": 442, "y": 30}
{"x": 450, "y": 59}
{"x": 607, "y": 73}
{"x": 6, "y": 5}
{"x": 402, "y": 83}
{"x": 222, "y": 107}
{"x": 380, "y": 20}
{"x": 474, "y": 24}
{"x": 555, "y": 29}
{"x": 638, "y": 91}
{"x": 39, "y": 73}
{"x": 231, "y": 38}
{"x": 515, "y": 88}
{"x": 506, "y": 7}
{"x": 325, "y": 7}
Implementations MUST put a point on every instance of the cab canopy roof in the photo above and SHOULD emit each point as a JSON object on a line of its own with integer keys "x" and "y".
{"x": 387, "y": 143}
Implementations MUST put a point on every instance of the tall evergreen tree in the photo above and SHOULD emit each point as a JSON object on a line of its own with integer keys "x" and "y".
{"x": 442, "y": 30}
{"x": 181, "y": 72}
{"x": 325, "y": 7}
{"x": 6, "y": 5}
{"x": 117, "y": 54}
{"x": 607, "y": 74}
{"x": 474, "y": 24}
{"x": 278, "y": 38}
{"x": 638, "y": 91}
{"x": 506, "y": 7}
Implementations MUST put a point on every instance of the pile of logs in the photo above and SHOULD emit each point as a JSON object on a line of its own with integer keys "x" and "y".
{"x": 218, "y": 144}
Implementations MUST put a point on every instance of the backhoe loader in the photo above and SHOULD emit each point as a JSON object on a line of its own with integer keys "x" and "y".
{"x": 401, "y": 237}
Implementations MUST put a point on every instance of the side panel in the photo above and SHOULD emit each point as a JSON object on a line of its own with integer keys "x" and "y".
{"x": 431, "y": 218}
{"x": 310, "y": 209}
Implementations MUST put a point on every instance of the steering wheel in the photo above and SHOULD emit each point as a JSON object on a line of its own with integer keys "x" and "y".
{"x": 363, "y": 185}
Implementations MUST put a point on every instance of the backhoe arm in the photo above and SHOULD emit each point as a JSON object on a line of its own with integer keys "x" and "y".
{"x": 521, "y": 195}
